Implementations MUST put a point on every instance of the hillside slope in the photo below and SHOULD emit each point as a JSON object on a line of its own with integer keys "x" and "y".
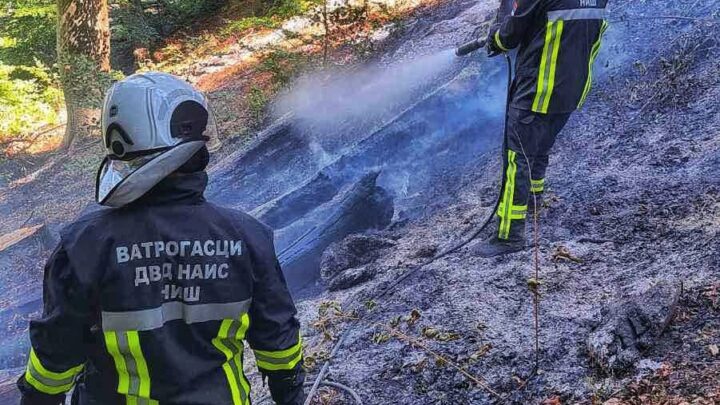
{"x": 634, "y": 211}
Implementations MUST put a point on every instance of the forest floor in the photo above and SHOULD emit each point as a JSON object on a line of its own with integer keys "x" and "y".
{"x": 629, "y": 231}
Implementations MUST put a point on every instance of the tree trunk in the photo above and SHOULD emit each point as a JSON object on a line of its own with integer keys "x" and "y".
{"x": 83, "y": 45}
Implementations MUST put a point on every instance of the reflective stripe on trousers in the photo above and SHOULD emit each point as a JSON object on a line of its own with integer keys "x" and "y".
{"x": 133, "y": 374}
{"x": 229, "y": 342}
{"x": 507, "y": 211}
{"x": 591, "y": 62}
{"x": 46, "y": 381}
{"x": 537, "y": 186}
{"x": 548, "y": 66}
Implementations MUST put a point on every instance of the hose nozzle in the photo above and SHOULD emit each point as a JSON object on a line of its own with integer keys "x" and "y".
{"x": 469, "y": 47}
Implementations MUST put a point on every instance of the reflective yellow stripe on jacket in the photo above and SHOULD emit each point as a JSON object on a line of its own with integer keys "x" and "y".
{"x": 46, "y": 381}
{"x": 229, "y": 342}
{"x": 548, "y": 66}
{"x": 591, "y": 62}
{"x": 132, "y": 369}
{"x": 279, "y": 360}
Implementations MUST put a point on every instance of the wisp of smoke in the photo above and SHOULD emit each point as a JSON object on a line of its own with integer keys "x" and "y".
{"x": 325, "y": 102}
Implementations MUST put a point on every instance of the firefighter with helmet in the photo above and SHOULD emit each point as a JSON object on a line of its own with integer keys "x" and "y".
{"x": 557, "y": 42}
{"x": 149, "y": 300}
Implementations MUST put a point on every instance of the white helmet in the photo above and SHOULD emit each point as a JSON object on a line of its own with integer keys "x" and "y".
{"x": 152, "y": 124}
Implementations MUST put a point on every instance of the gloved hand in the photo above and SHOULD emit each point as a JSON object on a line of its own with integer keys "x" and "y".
{"x": 286, "y": 387}
{"x": 492, "y": 48}
{"x": 30, "y": 396}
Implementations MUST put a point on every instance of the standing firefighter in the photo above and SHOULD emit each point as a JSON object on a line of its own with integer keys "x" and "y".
{"x": 557, "y": 42}
{"x": 149, "y": 302}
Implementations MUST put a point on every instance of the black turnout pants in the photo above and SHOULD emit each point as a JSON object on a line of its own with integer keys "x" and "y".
{"x": 530, "y": 135}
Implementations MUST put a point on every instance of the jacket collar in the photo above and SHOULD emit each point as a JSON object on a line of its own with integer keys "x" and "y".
{"x": 176, "y": 189}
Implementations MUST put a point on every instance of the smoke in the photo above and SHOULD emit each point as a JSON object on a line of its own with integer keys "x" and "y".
{"x": 335, "y": 102}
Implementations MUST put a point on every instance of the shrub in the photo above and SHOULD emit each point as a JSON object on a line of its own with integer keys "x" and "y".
{"x": 27, "y": 31}
{"x": 28, "y": 100}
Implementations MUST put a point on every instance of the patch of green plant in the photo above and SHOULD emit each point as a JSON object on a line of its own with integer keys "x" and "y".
{"x": 283, "y": 65}
{"x": 83, "y": 164}
{"x": 257, "y": 100}
{"x": 27, "y": 32}
{"x": 247, "y": 23}
{"x": 268, "y": 15}
{"x": 132, "y": 26}
{"x": 289, "y": 8}
{"x": 28, "y": 100}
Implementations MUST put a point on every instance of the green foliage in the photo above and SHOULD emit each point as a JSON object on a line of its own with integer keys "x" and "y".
{"x": 284, "y": 65}
{"x": 257, "y": 100}
{"x": 27, "y": 99}
{"x": 289, "y": 8}
{"x": 267, "y": 15}
{"x": 242, "y": 25}
{"x": 131, "y": 26}
{"x": 83, "y": 81}
{"x": 180, "y": 13}
{"x": 27, "y": 32}
{"x": 83, "y": 164}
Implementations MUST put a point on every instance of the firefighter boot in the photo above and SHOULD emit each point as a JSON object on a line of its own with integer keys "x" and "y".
{"x": 494, "y": 246}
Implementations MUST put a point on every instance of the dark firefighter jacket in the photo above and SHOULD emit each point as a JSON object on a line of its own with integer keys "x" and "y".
{"x": 557, "y": 41}
{"x": 151, "y": 303}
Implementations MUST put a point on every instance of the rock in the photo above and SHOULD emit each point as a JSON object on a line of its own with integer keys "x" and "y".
{"x": 425, "y": 251}
{"x": 353, "y": 251}
{"x": 631, "y": 326}
{"x": 351, "y": 278}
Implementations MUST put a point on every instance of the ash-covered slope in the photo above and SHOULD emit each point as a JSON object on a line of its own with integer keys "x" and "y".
{"x": 633, "y": 213}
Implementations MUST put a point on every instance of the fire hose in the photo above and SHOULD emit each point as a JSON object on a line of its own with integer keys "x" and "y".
{"x": 462, "y": 50}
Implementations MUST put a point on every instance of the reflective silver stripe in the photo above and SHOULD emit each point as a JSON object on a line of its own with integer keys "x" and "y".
{"x": 130, "y": 364}
{"x": 47, "y": 381}
{"x": 284, "y": 360}
{"x": 577, "y": 14}
{"x": 155, "y": 318}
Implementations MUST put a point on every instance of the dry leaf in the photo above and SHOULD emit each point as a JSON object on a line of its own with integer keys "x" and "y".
{"x": 714, "y": 350}
{"x": 481, "y": 352}
{"x": 414, "y": 317}
{"x": 552, "y": 401}
{"x": 664, "y": 370}
{"x": 563, "y": 253}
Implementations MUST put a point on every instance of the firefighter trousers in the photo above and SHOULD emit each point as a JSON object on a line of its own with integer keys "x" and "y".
{"x": 530, "y": 135}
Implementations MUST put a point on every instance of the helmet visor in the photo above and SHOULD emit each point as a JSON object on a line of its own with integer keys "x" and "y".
{"x": 211, "y": 132}
{"x": 113, "y": 171}
{"x": 119, "y": 182}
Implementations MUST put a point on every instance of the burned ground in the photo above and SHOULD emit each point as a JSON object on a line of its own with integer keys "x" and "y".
{"x": 634, "y": 206}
